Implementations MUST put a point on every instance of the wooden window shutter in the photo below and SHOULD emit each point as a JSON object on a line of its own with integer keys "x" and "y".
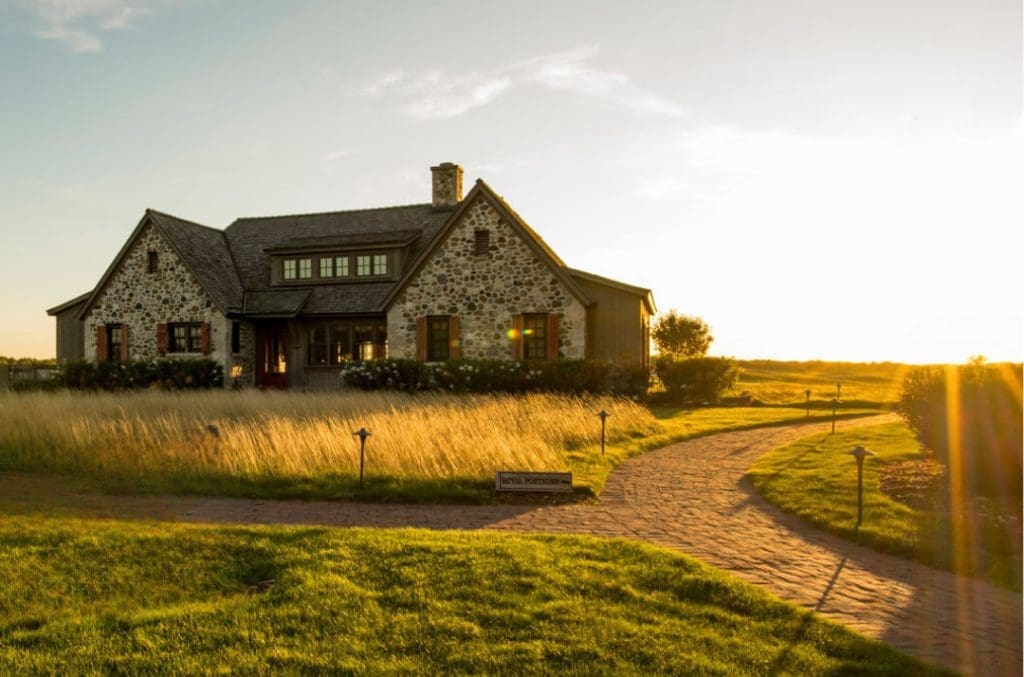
{"x": 517, "y": 337}
{"x": 101, "y": 343}
{"x": 551, "y": 349}
{"x": 453, "y": 338}
{"x": 124, "y": 342}
{"x": 161, "y": 339}
{"x": 204, "y": 338}
{"x": 421, "y": 339}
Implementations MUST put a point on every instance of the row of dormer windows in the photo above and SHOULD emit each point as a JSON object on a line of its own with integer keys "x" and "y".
{"x": 335, "y": 266}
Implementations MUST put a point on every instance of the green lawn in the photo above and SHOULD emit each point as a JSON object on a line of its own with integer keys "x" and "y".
{"x": 815, "y": 479}
{"x": 114, "y": 597}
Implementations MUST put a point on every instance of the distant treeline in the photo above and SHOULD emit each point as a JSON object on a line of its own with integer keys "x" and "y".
{"x": 27, "y": 362}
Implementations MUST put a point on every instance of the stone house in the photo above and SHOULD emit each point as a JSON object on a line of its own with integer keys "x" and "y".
{"x": 285, "y": 301}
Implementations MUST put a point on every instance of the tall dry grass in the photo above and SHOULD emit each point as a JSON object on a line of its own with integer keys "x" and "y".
{"x": 301, "y": 435}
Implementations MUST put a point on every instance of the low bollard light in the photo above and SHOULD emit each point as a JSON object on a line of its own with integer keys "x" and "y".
{"x": 604, "y": 416}
{"x": 835, "y": 403}
{"x": 362, "y": 434}
{"x": 860, "y": 453}
{"x": 808, "y": 393}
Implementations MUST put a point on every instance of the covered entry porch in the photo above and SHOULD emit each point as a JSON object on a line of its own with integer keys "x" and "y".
{"x": 308, "y": 353}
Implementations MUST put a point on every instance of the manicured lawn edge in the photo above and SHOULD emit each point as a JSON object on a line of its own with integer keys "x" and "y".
{"x": 815, "y": 479}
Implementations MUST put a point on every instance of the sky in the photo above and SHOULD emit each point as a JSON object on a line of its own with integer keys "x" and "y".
{"x": 817, "y": 180}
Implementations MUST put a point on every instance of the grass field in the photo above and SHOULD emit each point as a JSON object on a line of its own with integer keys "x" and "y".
{"x": 111, "y": 597}
{"x": 865, "y": 384}
{"x": 424, "y": 448}
{"x": 815, "y": 478}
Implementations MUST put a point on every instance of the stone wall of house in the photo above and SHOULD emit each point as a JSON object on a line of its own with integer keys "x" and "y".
{"x": 485, "y": 292}
{"x": 142, "y": 300}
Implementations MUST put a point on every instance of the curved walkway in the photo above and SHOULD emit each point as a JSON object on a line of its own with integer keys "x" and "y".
{"x": 690, "y": 497}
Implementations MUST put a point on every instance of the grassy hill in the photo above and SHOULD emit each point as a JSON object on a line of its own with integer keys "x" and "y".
{"x": 864, "y": 384}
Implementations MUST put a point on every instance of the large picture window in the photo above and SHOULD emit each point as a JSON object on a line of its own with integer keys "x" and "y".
{"x": 336, "y": 343}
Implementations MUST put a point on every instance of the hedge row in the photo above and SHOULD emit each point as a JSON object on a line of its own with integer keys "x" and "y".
{"x": 168, "y": 374}
{"x": 696, "y": 380}
{"x": 486, "y": 376}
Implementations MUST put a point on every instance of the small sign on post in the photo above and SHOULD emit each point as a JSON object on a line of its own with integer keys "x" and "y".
{"x": 559, "y": 482}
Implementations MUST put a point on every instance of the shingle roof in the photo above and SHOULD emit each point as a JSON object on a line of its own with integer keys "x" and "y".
{"x": 205, "y": 252}
{"x": 276, "y": 303}
{"x": 250, "y": 238}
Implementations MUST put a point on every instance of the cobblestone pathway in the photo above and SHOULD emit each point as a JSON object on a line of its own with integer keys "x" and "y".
{"x": 690, "y": 497}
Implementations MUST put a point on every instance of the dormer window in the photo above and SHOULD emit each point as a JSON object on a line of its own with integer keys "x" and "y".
{"x": 298, "y": 269}
{"x": 380, "y": 264}
{"x": 363, "y": 265}
{"x": 341, "y": 266}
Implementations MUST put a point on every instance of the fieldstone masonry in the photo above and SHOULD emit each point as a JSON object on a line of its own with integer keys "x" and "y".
{"x": 142, "y": 300}
{"x": 485, "y": 292}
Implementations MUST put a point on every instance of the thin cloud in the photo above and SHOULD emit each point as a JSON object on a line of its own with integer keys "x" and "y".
{"x": 434, "y": 94}
{"x": 79, "y": 24}
{"x": 337, "y": 154}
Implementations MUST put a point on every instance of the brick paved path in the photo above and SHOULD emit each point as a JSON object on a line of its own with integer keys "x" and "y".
{"x": 690, "y": 497}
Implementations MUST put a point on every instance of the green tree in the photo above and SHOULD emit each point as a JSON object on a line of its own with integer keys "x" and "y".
{"x": 681, "y": 336}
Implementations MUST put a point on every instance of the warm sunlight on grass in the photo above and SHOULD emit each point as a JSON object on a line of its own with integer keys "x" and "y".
{"x": 114, "y": 597}
{"x": 816, "y": 479}
{"x": 785, "y": 383}
{"x": 298, "y": 438}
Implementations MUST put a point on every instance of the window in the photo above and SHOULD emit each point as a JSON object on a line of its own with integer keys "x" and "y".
{"x": 317, "y": 346}
{"x": 340, "y": 342}
{"x": 289, "y": 269}
{"x": 380, "y": 264}
{"x": 305, "y": 269}
{"x": 152, "y": 262}
{"x": 438, "y": 338}
{"x": 326, "y": 266}
{"x": 113, "y": 342}
{"x": 341, "y": 266}
{"x": 535, "y": 339}
{"x": 481, "y": 242}
{"x": 185, "y": 338}
{"x": 362, "y": 265}
{"x": 236, "y": 337}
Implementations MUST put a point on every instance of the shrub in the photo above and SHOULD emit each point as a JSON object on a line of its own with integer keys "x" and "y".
{"x": 681, "y": 336}
{"x": 697, "y": 380}
{"x": 499, "y": 376}
{"x": 981, "y": 406}
{"x": 133, "y": 374}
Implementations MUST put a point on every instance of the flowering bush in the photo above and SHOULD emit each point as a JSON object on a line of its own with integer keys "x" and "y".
{"x": 488, "y": 376}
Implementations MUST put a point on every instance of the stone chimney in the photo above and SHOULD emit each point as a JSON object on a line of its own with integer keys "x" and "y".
{"x": 447, "y": 185}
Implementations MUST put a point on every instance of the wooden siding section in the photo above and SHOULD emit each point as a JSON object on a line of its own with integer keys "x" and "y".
{"x": 70, "y": 335}
{"x": 617, "y": 324}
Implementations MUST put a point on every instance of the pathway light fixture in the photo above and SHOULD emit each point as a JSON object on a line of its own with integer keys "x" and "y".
{"x": 362, "y": 434}
{"x": 604, "y": 416}
{"x": 860, "y": 453}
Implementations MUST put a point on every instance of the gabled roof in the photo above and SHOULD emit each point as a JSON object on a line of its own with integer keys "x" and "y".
{"x": 529, "y": 236}
{"x": 646, "y": 294}
{"x": 68, "y": 305}
{"x": 202, "y": 249}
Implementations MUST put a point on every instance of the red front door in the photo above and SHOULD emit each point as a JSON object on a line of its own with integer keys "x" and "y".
{"x": 271, "y": 357}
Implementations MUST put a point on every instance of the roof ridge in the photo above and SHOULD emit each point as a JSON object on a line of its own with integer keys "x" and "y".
{"x": 178, "y": 218}
{"x": 335, "y": 211}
